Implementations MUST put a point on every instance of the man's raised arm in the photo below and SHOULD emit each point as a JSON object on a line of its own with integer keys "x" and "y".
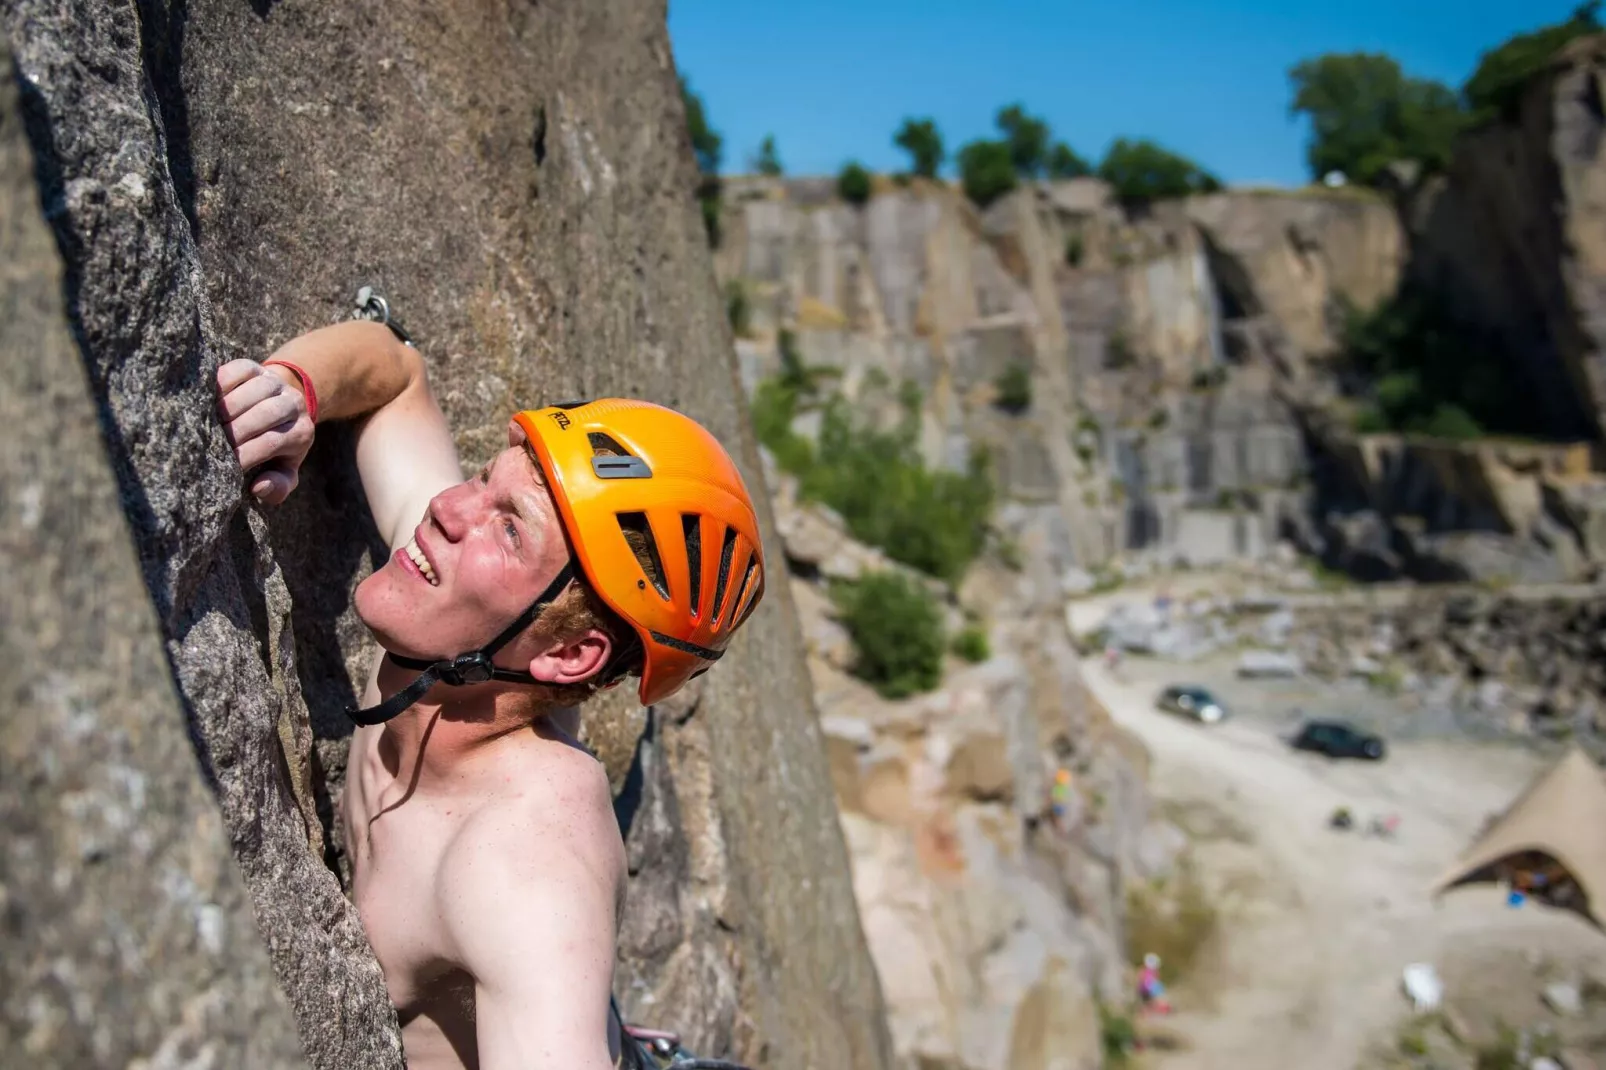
{"x": 353, "y": 370}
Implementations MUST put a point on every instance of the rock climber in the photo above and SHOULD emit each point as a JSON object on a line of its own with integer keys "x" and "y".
{"x": 1151, "y": 991}
{"x": 609, "y": 538}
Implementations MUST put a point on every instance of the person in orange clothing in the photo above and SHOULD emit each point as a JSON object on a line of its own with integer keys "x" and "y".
{"x": 610, "y": 539}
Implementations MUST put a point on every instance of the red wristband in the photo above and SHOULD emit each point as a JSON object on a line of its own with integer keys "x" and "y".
{"x": 306, "y": 386}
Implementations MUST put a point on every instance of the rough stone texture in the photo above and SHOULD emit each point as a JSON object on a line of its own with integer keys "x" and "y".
{"x": 1512, "y": 238}
{"x": 114, "y": 188}
{"x": 917, "y": 287}
{"x": 1392, "y": 506}
{"x": 222, "y": 176}
{"x": 995, "y": 929}
{"x": 128, "y": 938}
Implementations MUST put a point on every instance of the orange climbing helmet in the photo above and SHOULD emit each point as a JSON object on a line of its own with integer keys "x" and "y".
{"x": 623, "y": 471}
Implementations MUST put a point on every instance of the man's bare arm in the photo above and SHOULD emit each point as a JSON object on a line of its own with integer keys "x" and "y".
{"x": 531, "y": 914}
{"x": 359, "y": 370}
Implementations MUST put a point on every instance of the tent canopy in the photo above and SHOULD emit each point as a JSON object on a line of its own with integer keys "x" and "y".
{"x": 1563, "y": 815}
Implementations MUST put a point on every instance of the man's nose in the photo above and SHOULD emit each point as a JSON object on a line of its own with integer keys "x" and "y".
{"x": 457, "y": 509}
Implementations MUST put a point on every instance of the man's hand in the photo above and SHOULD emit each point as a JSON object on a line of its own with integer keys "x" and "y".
{"x": 265, "y": 416}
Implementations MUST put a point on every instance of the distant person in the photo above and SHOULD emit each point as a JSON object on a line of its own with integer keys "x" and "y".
{"x": 1151, "y": 990}
{"x": 609, "y": 539}
{"x": 1060, "y": 799}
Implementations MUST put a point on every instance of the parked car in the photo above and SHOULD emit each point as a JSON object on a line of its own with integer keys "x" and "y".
{"x": 1338, "y": 739}
{"x": 1191, "y": 700}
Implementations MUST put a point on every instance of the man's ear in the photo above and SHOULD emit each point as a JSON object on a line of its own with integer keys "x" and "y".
{"x": 574, "y": 660}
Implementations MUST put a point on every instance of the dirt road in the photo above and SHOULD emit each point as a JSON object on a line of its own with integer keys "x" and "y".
{"x": 1318, "y": 925}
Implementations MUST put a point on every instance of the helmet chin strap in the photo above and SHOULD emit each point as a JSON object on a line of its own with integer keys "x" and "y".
{"x": 465, "y": 669}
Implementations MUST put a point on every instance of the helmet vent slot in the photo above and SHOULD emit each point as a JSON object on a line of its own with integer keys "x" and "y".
{"x": 691, "y": 526}
{"x": 723, "y": 580}
{"x": 745, "y": 593}
{"x": 638, "y": 533}
{"x": 602, "y": 444}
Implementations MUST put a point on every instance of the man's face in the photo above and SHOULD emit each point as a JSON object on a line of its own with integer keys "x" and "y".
{"x": 484, "y": 551}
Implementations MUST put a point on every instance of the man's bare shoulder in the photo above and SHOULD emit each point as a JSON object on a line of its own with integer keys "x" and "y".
{"x": 528, "y": 897}
{"x": 548, "y": 828}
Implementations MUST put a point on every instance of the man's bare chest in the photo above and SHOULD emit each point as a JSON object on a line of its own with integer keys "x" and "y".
{"x": 397, "y": 847}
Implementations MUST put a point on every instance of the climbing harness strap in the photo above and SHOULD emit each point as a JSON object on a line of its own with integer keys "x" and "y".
{"x": 464, "y": 669}
{"x": 657, "y": 1049}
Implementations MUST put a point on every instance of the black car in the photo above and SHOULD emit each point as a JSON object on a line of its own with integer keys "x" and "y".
{"x": 1339, "y": 740}
{"x": 1193, "y": 701}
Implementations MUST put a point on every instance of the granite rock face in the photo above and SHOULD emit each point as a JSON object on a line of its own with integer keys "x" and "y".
{"x": 128, "y": 937}
{"x": 1514, "y": 238}
{"x": 222, "y": 176}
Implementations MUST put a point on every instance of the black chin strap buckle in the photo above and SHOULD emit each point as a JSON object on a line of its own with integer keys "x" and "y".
{"x": 475, "y": 668}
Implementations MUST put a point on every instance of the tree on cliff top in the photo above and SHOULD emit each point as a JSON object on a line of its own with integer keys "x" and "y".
{"x": 853, "y": 183}
{"x": 1142, "y": 171}
{"x": 1365, "y": 114}
{"x": 767, "y": 161}
{"x": 920, "y": 139}
{"x": 1495, "y": 88}
{"x": 1027, "y": 139}
{"x": 987, "y": 171}
{"x": 1063, "y": 162}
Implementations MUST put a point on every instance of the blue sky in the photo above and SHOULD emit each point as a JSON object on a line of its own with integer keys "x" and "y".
{"x": 832, "y": 79}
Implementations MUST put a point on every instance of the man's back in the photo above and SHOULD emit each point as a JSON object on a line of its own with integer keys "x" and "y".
{"x": 459, "y": 879}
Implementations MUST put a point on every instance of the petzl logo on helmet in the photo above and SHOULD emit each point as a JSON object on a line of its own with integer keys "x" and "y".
{"x": 562, "y": 419}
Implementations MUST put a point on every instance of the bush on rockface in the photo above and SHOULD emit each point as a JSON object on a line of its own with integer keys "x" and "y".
{"x": 1014, "y": 386}
{"x": 932, "y": 520}
{"x": 896, "y": 626}
{"x": 1425, "y": 375}
{"x": 738, "y": 309}
{"x": 971, "y": 644}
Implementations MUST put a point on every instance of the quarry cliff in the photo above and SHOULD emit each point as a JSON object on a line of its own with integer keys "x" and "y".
{"x": 1190, "y": 392}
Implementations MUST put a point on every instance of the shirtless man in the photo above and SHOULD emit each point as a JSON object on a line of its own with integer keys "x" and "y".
{"x": 609, "y": 538}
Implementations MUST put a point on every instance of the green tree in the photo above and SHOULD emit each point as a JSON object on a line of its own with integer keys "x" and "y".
{"x": 1144, "y": 171}
{"x": 1365, "y": 114}
{"x": 768, "y": 160}
{"x": 708, "y": 147}
{"x": 1027, "y": 138}
{"x": 853, "y": 183}
{"x": 1063, "y": 162}
{"x": 921, "y": 140}
{"x": 706, "y": 143}
{"x": 986, "y": 171}
{"x": 1495, "y": 88}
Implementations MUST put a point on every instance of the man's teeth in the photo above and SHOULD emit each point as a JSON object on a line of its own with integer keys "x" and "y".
{"x": 421, "y": 561}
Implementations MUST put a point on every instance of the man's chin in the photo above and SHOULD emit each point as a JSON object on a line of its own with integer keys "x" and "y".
{"x": 379, "y": 605}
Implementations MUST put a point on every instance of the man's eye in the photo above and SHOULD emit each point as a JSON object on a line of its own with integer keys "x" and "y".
{"x": 512, "y": 531}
